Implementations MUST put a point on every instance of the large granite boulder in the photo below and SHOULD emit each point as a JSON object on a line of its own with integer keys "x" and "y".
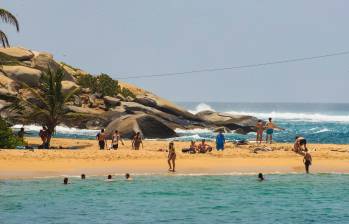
{"x": 43, "y": 61}
{"x": 18, "y": 53}
{"x": 241, "y": 123}
{"x": 171, "y": 120}
{"x": 29, "y": 76}
{"x": 151, "y": 100}
{"x": 83, "y": 110}
{"x": 8, "y": 84}
{"x": 68, "y": 86}
{"x": 149, "y": 126}
{"x": 111, "y": 101}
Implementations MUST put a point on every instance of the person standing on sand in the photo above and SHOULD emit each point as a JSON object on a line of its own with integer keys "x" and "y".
{"x": 115, "y": 140}
{"x": 171, "y": 157}
{"x": 137, "y": 141}
{"x": 270, "y": 126}
{"x": 307, "y": 160}
{"x": 101, "y": 137}
{"x": 44, "y": 135}
{"x": 259, "y": 131}
{"x": 220, "y": 141}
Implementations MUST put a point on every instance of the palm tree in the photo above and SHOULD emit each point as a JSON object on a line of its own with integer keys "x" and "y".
{"x": 7, "y": 17}
{"x": 49, "y": 108}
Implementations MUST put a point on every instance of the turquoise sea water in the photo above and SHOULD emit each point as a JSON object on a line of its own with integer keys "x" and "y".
{"x": 289, "y": 198}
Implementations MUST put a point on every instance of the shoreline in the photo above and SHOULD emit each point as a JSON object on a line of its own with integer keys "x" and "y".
{"x": 87, "y": 159}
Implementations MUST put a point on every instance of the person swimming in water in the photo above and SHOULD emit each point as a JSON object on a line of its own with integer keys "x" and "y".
{"x": 307, "y": 160}
{"x": 171, "y": 159}
{"x": 128, "y": 176}
{"x": 65, "y": 180}
{"x": 260, "y": 177}
{"x": 83, "y": 176}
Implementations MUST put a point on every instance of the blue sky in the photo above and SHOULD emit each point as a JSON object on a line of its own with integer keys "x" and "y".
{"x": 157, "y": 36}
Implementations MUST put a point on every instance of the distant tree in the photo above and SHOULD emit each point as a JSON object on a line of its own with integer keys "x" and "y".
{"x": 7, "y": 17}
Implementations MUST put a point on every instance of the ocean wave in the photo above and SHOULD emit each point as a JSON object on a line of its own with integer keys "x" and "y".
{"x": 201, "y": 107}
{"x": 191, "y": 131}
{"x": 322, "y": 130}
{"x": 59, "y": 130}
{"x": 308, "y": 117}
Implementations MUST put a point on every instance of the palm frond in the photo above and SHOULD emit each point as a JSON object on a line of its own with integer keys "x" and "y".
{"x": 9, "y": 18}
{"x": 4, "y": 39}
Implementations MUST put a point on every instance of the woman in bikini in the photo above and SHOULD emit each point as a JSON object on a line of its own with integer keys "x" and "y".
{"x": 171, "y": 157}
{"x": 259, "y": 131}
{"x": 137, "y": 141}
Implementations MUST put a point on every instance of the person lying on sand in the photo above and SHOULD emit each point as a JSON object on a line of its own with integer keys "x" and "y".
{"x": 299, "y": 143}
{"x": 171, "y": 159}
{"x": 192, "y": 148}
{"x": 203, "y": 147}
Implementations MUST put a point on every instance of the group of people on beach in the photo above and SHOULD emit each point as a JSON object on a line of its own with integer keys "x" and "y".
{"x": 269, "y": 127}
{"x": 45, "y": 136}
{"x": 116, "y": 138}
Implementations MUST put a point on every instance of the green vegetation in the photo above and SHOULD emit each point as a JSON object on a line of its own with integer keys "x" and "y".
{"x": 49, "y": 108}
{"x": 8, "y": 140}
{"x": 104, "y": 85}
{"x": 8, "y": 18}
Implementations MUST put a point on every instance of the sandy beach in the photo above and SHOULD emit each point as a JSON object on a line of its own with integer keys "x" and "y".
{"x": 86, "y": 158}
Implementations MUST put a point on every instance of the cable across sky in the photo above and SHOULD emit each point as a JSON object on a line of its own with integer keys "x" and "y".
{"x": 283, "y": 61}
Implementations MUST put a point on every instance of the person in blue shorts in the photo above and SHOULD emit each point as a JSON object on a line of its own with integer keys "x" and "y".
{"x": 270, "y": 126}
{"x": 220, "y": 141}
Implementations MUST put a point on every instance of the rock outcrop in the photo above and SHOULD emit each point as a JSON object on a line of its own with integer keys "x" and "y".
{"x": 18, "y": 53}
{"x": 149, "y": 126}
{"x": 140, "y": 111}
{"x": 239, "y": 123}
{"x": 19, "y": 73}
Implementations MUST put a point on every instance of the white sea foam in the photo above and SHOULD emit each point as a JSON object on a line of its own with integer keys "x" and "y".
{"x": 292, "y": 116}
{"x": 191, "y": 131}
{"x": 322, "y": 130}
{"x": 201, "y": 107}
{"x": 309, "y": 117}
{"x": 59, "y": 130}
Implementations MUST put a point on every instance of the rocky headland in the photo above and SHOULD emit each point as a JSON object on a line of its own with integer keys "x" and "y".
{"x": 129, "y": 110}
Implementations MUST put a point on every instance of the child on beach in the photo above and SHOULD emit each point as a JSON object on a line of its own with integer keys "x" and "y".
{"x": 259, "y": 131}
{"x": 270, "y": 126}
{"x": 171, "y": 157}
